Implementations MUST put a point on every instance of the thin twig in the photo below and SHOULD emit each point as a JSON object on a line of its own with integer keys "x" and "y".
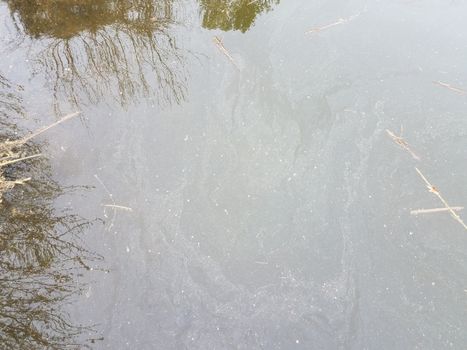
{"x": 112, "y": 220}
{"x": 436, "y": 192}
{"x": 218, "y": 42}
{"x": 402, "y": 143}
{"x": 333, "y": 24}
{"x": 450, "y": 87}
{"x": 434, "y": 210}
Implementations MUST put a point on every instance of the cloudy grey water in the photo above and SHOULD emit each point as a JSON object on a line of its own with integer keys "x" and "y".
{"x": 251, "y": 196}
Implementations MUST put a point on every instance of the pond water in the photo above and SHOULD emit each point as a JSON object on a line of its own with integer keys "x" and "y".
{"x": 233, "y": 165}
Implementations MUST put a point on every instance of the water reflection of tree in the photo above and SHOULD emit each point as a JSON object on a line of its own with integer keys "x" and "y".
{"x": 10, "y": 101}
{"x": 233, "y": 14}
{"x": 92, "y": 48}
{"x": 41, "y": 257}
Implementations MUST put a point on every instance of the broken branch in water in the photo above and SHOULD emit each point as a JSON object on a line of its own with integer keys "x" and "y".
{"x": 436, "y": 192}
{"x": 336, "y": 23}
{"x": 450, "y": 87}
{"x": 434, "y": 210}
{"x": 402, "y": 143}
{"x": 218, "y": 42}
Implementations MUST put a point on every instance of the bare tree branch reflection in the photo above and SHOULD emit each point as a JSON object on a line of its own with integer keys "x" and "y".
{"x": 10, "y": 101}
{"x": 233, "y": 14}
{"x": 93, "y": 48}
{"x": 41, "y": 256}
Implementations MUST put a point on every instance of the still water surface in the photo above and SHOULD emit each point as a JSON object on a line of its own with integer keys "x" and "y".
{"x": 241, "y": 189}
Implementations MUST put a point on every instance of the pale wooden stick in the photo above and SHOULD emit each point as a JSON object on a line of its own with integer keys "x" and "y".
{"x": 435, "y": 191}
{"x": 434, "y": 210}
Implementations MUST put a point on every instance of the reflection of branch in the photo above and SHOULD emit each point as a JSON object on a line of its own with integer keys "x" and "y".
{"x": 40, "y": 261}
{"x": 42, "y": 257}
{"x": 436, "y": 192}
{"x": 10, "y": 101}
{"x": 122, "y": 49}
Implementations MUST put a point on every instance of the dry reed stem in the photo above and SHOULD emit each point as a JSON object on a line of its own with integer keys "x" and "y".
{"x": 436, "y": 192}
{"x": 336, "y": 23}
{"x": 218, "y": 42}
{"x": 450, "y": 87}
{"x": 2, "y": 164}
{"x": 44, "y": 129}
{"x": 434, "y": 210}
{"x": 402, "y": 143}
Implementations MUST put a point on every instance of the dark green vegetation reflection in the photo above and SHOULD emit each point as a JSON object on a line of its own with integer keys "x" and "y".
{"x": 233, "y": 14}
{"x": 41, "y": 254}
{"x": 89, "y": 48}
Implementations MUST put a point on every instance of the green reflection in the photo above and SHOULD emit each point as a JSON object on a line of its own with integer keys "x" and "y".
{"x": 233, "y": 14}
{"x": 41, "y": 256}
{"x": 90, "y": 49}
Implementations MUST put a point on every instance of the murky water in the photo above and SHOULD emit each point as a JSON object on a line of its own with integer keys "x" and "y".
{"x": 236, "y": 182}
